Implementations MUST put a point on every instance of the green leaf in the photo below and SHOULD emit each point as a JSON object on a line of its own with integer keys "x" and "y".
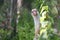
{"x": 44, "y": 8}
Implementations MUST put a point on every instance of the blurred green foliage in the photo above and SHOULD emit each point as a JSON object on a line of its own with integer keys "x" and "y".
{"x": 25, "y": 26}
{"x": 48, "y": 12}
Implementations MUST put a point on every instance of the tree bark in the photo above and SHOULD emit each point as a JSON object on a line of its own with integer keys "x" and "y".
{"x": 19, "y": 3}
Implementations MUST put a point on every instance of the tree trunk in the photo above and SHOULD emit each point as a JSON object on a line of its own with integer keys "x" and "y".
{"x": 19, "y": 3}
{"x": 14, "y": 9}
